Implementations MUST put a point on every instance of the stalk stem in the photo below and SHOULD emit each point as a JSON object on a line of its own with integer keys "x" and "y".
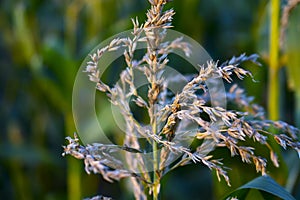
{"x": 273, "y": 85}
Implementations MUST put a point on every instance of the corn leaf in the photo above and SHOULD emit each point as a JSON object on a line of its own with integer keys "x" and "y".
{"x": 262, "y": 184}
{"x": 293, "y": 49}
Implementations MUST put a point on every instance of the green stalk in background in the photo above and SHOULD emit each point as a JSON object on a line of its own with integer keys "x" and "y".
{"x": 273, "y": 82}
{"x": 73, "y": 167}
{"x": 290, "y": 22}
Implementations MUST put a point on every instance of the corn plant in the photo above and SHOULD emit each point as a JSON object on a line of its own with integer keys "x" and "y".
{"x": 171, "y": 114}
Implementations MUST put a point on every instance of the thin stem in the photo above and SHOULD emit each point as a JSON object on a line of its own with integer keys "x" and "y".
{"x": 155, "y": 164}
{"x": 156, "y": 180}
{"x": 273, "y": 85}
{"x": 153, "y": 99}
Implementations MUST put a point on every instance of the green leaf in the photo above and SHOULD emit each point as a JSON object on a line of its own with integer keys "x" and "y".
{"x": 264, "y": 184}
{"x": 293, "y": 59}
{"x": 293, "y": 49}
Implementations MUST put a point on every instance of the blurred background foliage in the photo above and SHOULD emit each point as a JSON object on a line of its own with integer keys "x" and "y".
{"x": 42, "y": 45}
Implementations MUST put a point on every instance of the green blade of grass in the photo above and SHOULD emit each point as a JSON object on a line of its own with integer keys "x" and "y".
{"x": 262, "y": 183}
